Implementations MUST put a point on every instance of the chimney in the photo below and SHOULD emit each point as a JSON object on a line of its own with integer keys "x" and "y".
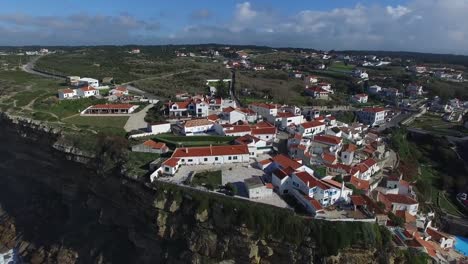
{"x": 186, "y": 150}
{"x": 307, "y": 183}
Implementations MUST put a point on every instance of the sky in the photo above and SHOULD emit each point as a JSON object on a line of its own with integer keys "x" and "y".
{"x": 437, "y": 26}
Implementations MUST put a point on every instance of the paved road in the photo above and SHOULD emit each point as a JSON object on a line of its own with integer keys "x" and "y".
{"x": 29, "y": 68}
{"x": 137, "y": 120}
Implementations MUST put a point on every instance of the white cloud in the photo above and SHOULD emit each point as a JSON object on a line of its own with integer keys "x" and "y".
{"x": 397, "y": 12}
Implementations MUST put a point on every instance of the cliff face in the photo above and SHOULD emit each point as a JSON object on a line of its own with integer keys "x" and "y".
{"x": 54, "y": 210}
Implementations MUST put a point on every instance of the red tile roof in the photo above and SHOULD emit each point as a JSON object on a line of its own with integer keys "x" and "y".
{"x": 328, "y": 139}
{"x": 263, "y": 124}
{"x": 228, "y": 109}
{"x": 247, "y": 111}
{"x": 281, "y": 174}
{"x": 369, "y": 162}
{"x": 312, "y": 124}
{"x": 264, "y": 131}
{"x": 317, "y": 206}
{"x": 180, "y": 105}
{"x": 437, "y": 235}
{"x": 285, "y": 114}
{"x": 122, "y": 89}
{"x": 111, "y": 106}
{"x": 66, "y": 91}
{"x": 360, "y": 184}
{"x": 398, "y": 198}
{"x": 329, "y": 158}
{"x": 171, "y": 162}
{"x": 212, "y": 117}
{"x": 285, "y": 162}
{"x": 154, "y": 144}
{"x": 311, "y": 181}
{"x": 333, "y": 183}
{"x": 197, "y": 122}
{"x": 358, "y": 200}
{"x": 349, "y": 148}
{"x": 373, "y": 109}
{"x": 211, "y": 151}
{"x": 88, "y": 88}
{"x": 237, "y": 129}
{"x": 247, "y": 139}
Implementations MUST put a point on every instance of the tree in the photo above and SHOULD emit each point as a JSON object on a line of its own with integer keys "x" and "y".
{"x": 222, "y": 89}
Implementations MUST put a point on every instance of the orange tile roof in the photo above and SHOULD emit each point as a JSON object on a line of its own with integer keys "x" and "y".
{"x": 436, "y": 234}
{"x": 285, "y": 162}
{"x": 247, "y": 139}
{"x": 237, "y": 129}
{"x": 358, "y": 200}
{"x": 285, "y": 114}
{"x": 212, "y": 117}
{"x": 154, "y": 144}
{"x": 311, "y": 181}
{"x": 328, "y": 139}
{"x": 398, "y": 198}
{"x": 264, "y": 131}
{"x": 317, "y": 206}
{"x": 373, "y": 109}
{"x": 228, "y": 109}
{"x": 333, "y": 183}
{"x": 88, "y": 88}
{"x": 66, "y": 91}
{"x": 360, "y": 184}
{"x": 171, "y": 162}
{"x": 312, "y": 124}
{"x": 329, "y": 158}
{"x": 349, "y": 148}
{"x": 198, "y": 122}
{"x": 211, "y": 151}
{"x": 263, "y": 124}
{"x": 405, "y": 216}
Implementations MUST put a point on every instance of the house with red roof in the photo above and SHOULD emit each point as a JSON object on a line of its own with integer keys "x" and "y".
{"x": 266, "y": 133}
{"x": 444, "y": 240}
{"x": 87, "y": 91}
{"x": 151, "y": 146}
{"x": 67, "y": 94}
{"x": 311, "y": 128}
{"x": 196, "y": 126}
{"x": 232, "y": 115}
{"x": 212, "y": 155}
{"x": 395, "y": 202}
{"x": 360, "y": 98}
{"x": 119, "y": 91}
{"x": 367, "y": 168}
{"x": 317, "y": 92}
{"x": 256, "y": 145}
{"x": 372, "y": 115}
{"x": 264, "y": 109}
{"x": 347, "y": 153}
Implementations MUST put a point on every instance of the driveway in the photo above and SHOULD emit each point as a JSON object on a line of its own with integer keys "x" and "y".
{"x": 137, "y": 120}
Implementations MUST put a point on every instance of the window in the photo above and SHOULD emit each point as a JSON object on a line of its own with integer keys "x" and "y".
{"x": 183, "y": 160}
{"x": 205, "y": 159}
{"x": 267, "y": 136}
{"x": 229, "y": 158}
{"x": 235, "y": 157}
{"x": 166, "y": 169}
{"x": 190, "y": 160}
{"x": 216, "y": 158}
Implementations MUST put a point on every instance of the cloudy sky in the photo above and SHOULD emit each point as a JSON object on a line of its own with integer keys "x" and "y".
{"x": 413, "y": 25}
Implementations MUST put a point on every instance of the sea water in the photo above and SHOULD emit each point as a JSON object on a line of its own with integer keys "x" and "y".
{"x": 8, "y": 257}
{"x": 461, "y": 245}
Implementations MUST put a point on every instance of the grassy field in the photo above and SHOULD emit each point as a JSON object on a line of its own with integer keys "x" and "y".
{"x": 209, "y": 179}
{"x": 65, "y": 108}
{"x": 340, "y": 66}
{"x": 105, "y": 124}
{"x": 435, "y": 123}
{"x": 276, "y": 58}
{"x": 138, "y": 163}
{"x": 193, "y": 141}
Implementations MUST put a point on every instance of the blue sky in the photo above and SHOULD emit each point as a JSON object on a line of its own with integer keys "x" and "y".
{"x": 415, "y": 25}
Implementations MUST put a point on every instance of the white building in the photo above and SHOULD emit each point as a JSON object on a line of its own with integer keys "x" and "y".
{"x": 347, "y": 153}
{"x": 360, "y": 74}
{"x": 67, "y": 94}
{"x": 360, "y": 98}
{"x": 212, "y": 155}
{"x": 398, "y": 202}
{"x": 374, "y": 89}
{"x": 87, "y": 91}
{"x": 89, "y": 82}
{"x": 256, "y": 146}
{"x": 264, "y": 110}
{"x": 257, "y": 189}
{"x": 311, "y": 128}
{"x": 372, "y": 116}
{"x": 197, "y": 126}
{"x": 232, "y": 115}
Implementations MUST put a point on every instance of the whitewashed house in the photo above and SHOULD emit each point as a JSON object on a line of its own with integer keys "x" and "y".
{"x": 67, "y": 94}
{"x": 372, "y": 116}
{"x": 311, "y": 128}
{"x": 87, "y": 91}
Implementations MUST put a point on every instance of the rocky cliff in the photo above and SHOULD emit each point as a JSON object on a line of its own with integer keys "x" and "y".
{"x": 55, "y": 210}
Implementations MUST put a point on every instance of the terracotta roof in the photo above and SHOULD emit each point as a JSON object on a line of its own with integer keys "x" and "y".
{"x": 358, "y": 200}
{"x": 171, "y": 162}
{"x": 154, "y": 144}
{"x": 269, "y": 186}
{"x": 264, "y": 131}
{"x": 212, "y": 117}
{"x": 314, "y": 203}
{"x": 285, "y": 162}
{"x": 111, "y": 106}
{"x": 263, "y": 124}
{"x": 264, "y": 105}
{"x": 211, "y": 151}
{"x": 349, "y": 148}
{"x": 333, "y": 183}
{"x": 66, "y": 91}
{"x": 360, "y": 184}
{"x": 285, "y": 115}
{"x": 247, "y": 139}
{"x": 197, "y": 122}
{"x": 437, "y": 235}
{"x": 328, "y": 139}
{"x": 369, "y": 162}
{"x": 312, "y": 124}
{"x": 228, "y": 109}
{"x": 373, "y": 109}
{"x": 329, "y": 158}
{"x": 405, "y": 215}
{"x": 122, "y": 89}
{"x": 247, "y": 111}
{"x": 237, "y": 129}
{"x": 398, "y": 198}
{"x": 361, "y": 95}
{"x": 281, "y": 174}
{"x": 311, "y": 181}
{"x": 86, "y": 89}
{"x": 180, "y": 105}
